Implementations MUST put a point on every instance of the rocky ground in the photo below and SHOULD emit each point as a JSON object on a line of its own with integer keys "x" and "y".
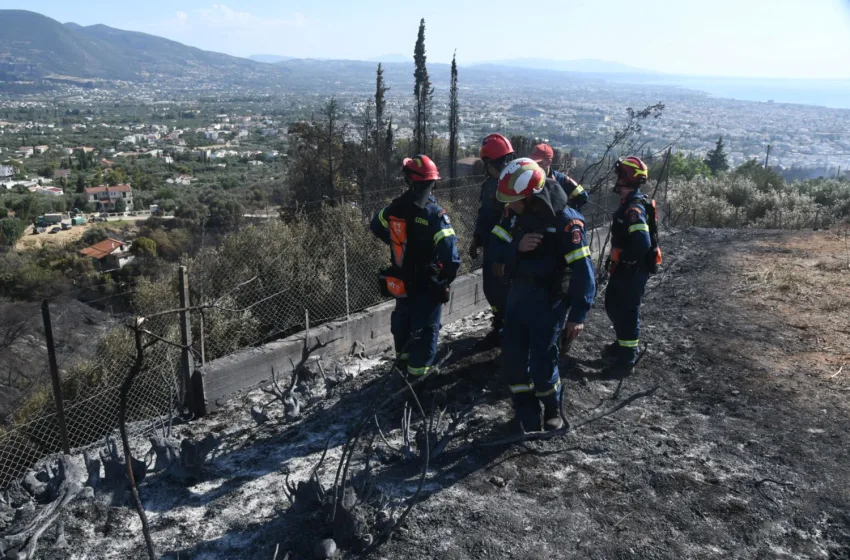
{"x": 729, "y": 442}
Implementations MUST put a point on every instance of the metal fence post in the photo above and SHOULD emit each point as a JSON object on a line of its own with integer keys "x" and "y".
{"x": 54, "y": 375}
{"x": 187, "y": 362}
{"x": 345, "y": 266}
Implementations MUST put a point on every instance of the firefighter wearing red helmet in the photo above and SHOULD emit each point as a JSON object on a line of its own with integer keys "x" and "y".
{"x": 544, "y": 155}
{"x": 542, "y": 245}
{"x": 630, "y": 245}
{"x": 424, "y": 263}
{"x": 496, "y": 152}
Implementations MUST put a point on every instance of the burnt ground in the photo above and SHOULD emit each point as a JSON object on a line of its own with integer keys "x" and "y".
{"x": 740, "y": 452}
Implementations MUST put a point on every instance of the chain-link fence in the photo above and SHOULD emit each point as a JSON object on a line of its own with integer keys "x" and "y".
{"x": 320, "y": 262}
{"x": 92, "y": 362}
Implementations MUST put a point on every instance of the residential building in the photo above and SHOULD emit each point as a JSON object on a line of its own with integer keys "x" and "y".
{"x": 105, "y": 197}
{"x": 60, "y": 173}
{"x": 109, "y": 254}
{"x": 180, "y": 180}
{"x": 41, "y": 149}
{"x": 53, "y": 191}
{"x": 25, "y": 151}
{"x": 6, "y": 171}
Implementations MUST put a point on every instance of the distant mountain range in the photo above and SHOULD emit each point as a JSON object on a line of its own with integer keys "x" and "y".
{"x": 35, "y": 46}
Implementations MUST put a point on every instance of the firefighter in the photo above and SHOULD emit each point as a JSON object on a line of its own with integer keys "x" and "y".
{"x": 629, "y": 272}
{"x": 496, "y": 152}
{"x": 543, "y": 154}
{"x": 424, "y": 264}
{"x": 537, "y": 242}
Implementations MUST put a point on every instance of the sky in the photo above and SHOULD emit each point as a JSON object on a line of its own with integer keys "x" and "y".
{"x": 741, "y": 38}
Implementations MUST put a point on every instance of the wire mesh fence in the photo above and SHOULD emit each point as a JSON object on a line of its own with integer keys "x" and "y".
{"x": 321, "y": 261}
{"x": 92, "y": 369}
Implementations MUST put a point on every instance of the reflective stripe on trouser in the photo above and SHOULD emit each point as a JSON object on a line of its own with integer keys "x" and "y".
{"x": 495, "y": 289}
{"x": 417, "y": 316}
{"x": 530, "y": 343}
{"x": 622, "y": 304}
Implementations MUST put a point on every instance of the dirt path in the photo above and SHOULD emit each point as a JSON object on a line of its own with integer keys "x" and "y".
{"x": 741, "y": 452}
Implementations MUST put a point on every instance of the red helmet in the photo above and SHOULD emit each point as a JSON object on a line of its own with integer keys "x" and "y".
{"x": 632, "y": 171}
{"x": 495, "y": 146}
{"x": 420, "y": 169}
{"x": 543, "y": 154}
{"x": 520, "y": 179}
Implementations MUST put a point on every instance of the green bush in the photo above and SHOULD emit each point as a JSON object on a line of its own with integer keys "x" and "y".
{"x": 755, "y": 199}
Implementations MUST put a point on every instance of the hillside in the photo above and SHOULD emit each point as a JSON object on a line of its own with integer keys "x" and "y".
{"x": 729, "y": 442}
{"x": 35, "y": 46}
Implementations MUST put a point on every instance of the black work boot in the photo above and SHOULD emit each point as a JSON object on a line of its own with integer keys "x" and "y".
{"x": 609, "y": 352}
{"x": 529, "y": 419}
{"x": 492, "y": 339}
{"x": 527, "y": 411}
{"x": 552, "y": 417}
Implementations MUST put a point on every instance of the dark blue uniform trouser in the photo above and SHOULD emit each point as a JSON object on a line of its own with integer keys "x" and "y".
{"x": 622, "y": 304}
{"x": 495, "y": 289}
{"x": 533, "y": 325}
{"x": 417, "y": 317}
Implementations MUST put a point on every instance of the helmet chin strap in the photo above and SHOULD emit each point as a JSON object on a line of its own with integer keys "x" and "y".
{"x": 421, "y": 191}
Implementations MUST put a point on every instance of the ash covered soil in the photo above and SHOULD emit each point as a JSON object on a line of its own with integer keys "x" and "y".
{"x": 741, "y": 450}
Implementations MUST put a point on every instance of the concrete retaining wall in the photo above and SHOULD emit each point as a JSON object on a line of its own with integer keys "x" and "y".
{"x": 219, "y": 379}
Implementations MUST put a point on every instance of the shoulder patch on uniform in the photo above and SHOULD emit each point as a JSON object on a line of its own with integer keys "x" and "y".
{"x": 577, "y": 237}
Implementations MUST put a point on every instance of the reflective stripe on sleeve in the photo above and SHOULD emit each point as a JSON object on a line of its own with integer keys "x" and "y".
{"x": 502, "y": 234}
{"x": 382, "y": 219}
{"x": 580, "y": 253}
{"x": 628, "y": 343}
{"x": 639, "y": 227}
{"x": 577, "y": 191}
{"x": 442, "y": 234}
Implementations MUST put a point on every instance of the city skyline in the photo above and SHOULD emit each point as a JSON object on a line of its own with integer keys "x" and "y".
{"x": 745, "y": 38}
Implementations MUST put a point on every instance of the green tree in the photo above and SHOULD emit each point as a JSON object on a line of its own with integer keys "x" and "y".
{"x": 81, "y": 183}
{"x": 422, "y": 92}
{"x": 765, "y": 179}
{"x": 688, "y": 167}
{"x": 144, "y": 247}
{"x": 11, "y": 230}
{"x": 381, "y": 148}
{"x": 454, "y": 120}
{"x": 716, "y": 159}
{"x": 120, "y": 205}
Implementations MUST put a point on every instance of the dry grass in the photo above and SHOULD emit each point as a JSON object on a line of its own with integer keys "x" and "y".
{"x": 779, "y": 279}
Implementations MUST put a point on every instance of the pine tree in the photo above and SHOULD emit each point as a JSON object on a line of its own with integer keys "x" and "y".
{"x": 454, "y": 120}
{"x": 716, "y": 159}
{"x": 390, "y": 143}
{"x": 422, "y": 92}
{"x": 381, "y": 147}
{"x": 331, "y": 114}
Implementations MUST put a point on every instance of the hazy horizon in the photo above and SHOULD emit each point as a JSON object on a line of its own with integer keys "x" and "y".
{"x": 730, "y": 39}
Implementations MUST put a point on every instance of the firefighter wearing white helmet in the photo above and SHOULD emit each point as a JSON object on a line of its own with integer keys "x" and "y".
{"x": 538, "y": 241}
